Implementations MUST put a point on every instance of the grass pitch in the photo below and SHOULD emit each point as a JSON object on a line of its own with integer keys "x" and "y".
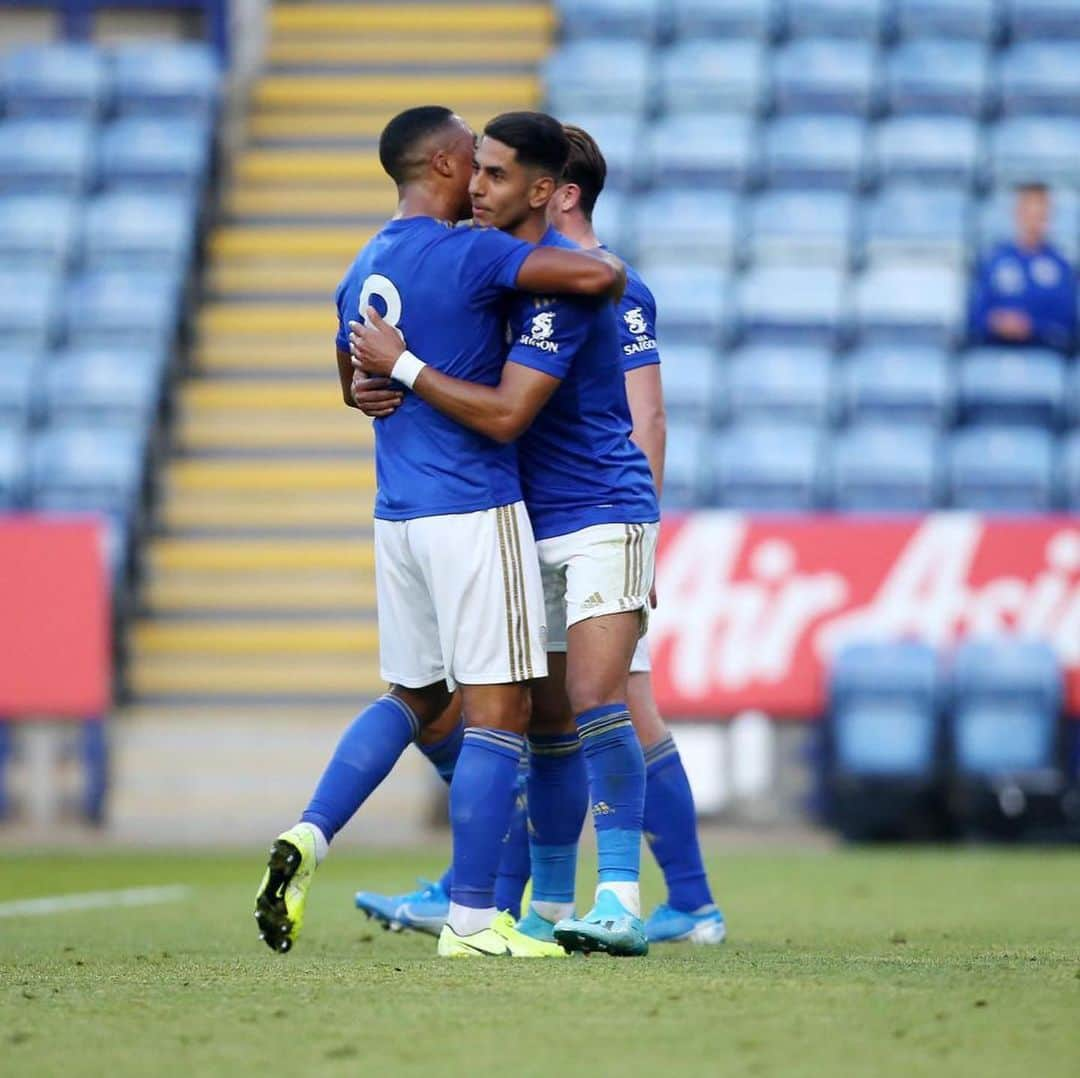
{"x": 929, "y": 962}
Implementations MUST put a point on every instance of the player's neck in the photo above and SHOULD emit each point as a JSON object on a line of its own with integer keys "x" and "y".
{"x": 574, "y": 226}
{"x": 420, "y": 201}
{"x": 532, "y": 229}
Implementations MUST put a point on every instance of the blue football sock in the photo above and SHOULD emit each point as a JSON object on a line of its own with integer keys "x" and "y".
{"x": 671, "y": 828}
{"x": 481, "y": 803}
{"x": 514, "y": 863}
{"x": 364, "y": 756}
{"x": 558, "y": 802}
{"x": 443, "y": 754}
{"x": 617, "y": 787}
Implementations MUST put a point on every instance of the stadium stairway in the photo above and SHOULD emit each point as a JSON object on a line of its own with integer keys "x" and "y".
{"x": 258, "y": 583}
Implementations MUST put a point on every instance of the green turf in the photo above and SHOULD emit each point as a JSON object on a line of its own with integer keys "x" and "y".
{"x": 861, "y": 963}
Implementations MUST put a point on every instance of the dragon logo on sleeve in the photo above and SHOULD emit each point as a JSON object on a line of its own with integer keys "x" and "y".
{"x": 635, "y": 321}
{"x": 543, "y": 325}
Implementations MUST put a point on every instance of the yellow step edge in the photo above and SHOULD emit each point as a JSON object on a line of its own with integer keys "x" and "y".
{"x": 309, "y": 356}
{"x": 387, "y": 91}
{"x": 244, "y": 200}
{"x": 180, "y": 600}
{"x": 323, "y": 395}
{"x": 254, "y": 278}
{"x": 300, "y": 241}
{"x": 370, "y": 50}
{"x": 224, "y": 430}
{"x": 285, "y": 122}
{"x": 358, "y": 675}
{"x": 316, "y": 168}
{"x": 184, "y": 512}
{"x": 256, "y": 321}
{"x": 226, "y": 638}
{"x": 406, "y": 18}
{"x": 354, "y": 478}
{"x": 255, "y": 555}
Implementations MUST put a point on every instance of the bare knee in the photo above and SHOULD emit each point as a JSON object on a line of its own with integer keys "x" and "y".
{"x": 497, "y": 707}
{"x": 428, "y": 704}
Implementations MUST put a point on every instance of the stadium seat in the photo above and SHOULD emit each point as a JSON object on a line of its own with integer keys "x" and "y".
{"x": 37, "y": 232}
{"x": 836, "y": 18}
{"x": 690, "y": 300}
{"x": 54, "y": 81}
{"x": 12, "y": 466}
{"x": 1070, "y": 471}
{"x": 619, "y": 139}
{"x": 794, "y": 305}
{"x": 137, "y": 230}
{"x": 815, "y": 151}
{"x": 29, "y": 307}
{"x": 825, "y": 75}
{"x": 639, "y": 19}
{"x": 166, "y": 79}
{"x": 1041, "y": 77}
{"x": 155, "y": 155}
{"x": 899, "y": 385}
{"x": 927, "y": 149}
{"x": 594, "y": 76}
{"x": 714, "y": 75}
{"x": 756, "y": 19}
{"x": 87, "y": 467}
{"x": 768, "y": 467}
{"x": 1006, "y": 706}
{"x": 938, "y": 75}
{"x": 104, "y": 386}
{"x": 611, "y": 217}
{"x": 45, "y": 156}
{"x": 912, "y": 223}
{"x": 110, "y": 309}
{"x": 1049, "y": 19}
{"x": 1027, "y": 147}
{"x": 19, "y": 373}
{"x": 796, "y": 227}
{"x": 780, "y": 384}
{"x": 702, "y": 149}
{"x": 995, "y": 220}
{"x": 694, "y": 381}
{"x": 1012, "y": 386}
{"x": 975, "y": 19}
{"x": 918, "y": 305}
{"x": 684, "y": 463}
{"x": 1002, "y": 469}
{"x": 877, "y": 467}
{"x": 701, "y": 225}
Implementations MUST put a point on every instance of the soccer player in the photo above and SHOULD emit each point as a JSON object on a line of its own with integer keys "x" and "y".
{"x": 590, "y": 496}
{"x": 670, "y": 819}
{"x": 457, "y": 580}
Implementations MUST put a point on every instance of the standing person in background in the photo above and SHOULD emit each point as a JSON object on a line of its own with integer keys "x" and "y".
{"x": 1024, "y": 291}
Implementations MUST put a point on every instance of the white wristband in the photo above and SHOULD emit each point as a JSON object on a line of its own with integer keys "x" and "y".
{"x": 407, "y": 369}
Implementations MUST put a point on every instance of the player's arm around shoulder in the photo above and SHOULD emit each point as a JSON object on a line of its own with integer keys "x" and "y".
{"x": 585, "y": 273}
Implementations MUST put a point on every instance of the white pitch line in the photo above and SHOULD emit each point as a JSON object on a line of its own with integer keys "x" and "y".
{"x": 93, "y": 900}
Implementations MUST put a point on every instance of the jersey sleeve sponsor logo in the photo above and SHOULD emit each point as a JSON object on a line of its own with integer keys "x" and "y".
{"x": 635, "y": 321}
{"x": 541, "y": 330}
{"x": 637, "y": 325}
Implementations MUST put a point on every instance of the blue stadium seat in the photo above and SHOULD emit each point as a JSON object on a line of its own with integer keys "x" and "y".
{"x": 102, "y": 386}
{"x": 1049, "y": 19}
{"x": 1002, "y": 469}
{"x": 884, "y": 710}
{"x": 837, "y": 18}
{"x": 690, "y": 300}
{"x": 910, "y": 222}
{"x": 927, "y": 149}
{"x": 768, "y": 466}
{"x": 725, "y": 18}
{"x": 19, "y": 375}
{"x": 611, "y": 217}
{"x": 619, "y": 139}
{"x": 976, "y": 19}
{"x": 694, "y": 381}
{"x": 685, "y": 463}
{"x": 37, "y": 232}
{"x": 995, "y": 220}
{"x": 163, "y": 79}
{"x": 815, "y": 151}
{"x": 796, "y": 227}
{"x": 714, "y": 75}
{"x": 781, "y": 384}
{"x": 702, "y": 225}
{"x": 825, "y": 75}
{"x": 938, "y": 75}
{"x": 137, "y": 230}
{"x": 1006, "y": 707}
{"x": 899, "y": 385}
{"x": 109, "y": 310}
{"x": 87, "y": 467}
{"x": 1041, "y": 148}
{"x": 595, "y": 76}
{"x": 702, "y": 149}
{"x": 878, "y": 467}
{"x": 1070, "y": 471}
{"x": 1041, "y": 77}
{"x": 795, "y": 305}
{"x": 55, "y": 81}
{"x": 12, "y": 466}
{"x": 638, "y": 19}
{"x": 45, "y": 156}
{"x": 155, "y": 155}
{"x": 29, "y": 309}
{"x": 913, "y": 305}
{"x": 1012, "y": 386}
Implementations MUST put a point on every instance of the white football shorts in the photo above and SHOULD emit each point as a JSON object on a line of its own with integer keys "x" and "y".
{"x": 460, "y": 598}
{"x": 641, "y": 662}
{"x": 603, "y": 569}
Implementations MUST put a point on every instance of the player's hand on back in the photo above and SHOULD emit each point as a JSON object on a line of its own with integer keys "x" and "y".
{"x": 375, "y": 344}
{"x": 375, "y": 397}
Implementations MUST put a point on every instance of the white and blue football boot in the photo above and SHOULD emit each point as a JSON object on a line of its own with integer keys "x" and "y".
{"x": 422, "y": 910}
{"x": 609, "y": 926}
{"x": 667, "y": 925}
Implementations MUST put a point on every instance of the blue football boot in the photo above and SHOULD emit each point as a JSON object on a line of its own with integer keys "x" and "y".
{"x": 609, "y": 926}
{"x": 423, "y": 910}
{"x": 667, "y": 925}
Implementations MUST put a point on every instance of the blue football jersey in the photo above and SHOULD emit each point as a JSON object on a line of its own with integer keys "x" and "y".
{"x": 446, "y": 291}
{"x": 637, "y": 324}
{"x": 578, "y": 465}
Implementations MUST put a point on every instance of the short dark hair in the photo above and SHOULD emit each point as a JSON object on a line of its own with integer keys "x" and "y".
{"x": 585, "y": 167}
{"x": 538, "y": 139}
{"x": 401, "y": 137}
{"x": 1031, "y": 187}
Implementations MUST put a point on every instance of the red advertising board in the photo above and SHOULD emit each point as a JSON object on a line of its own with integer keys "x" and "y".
{"x": 55, "y": 651}
{"x": 751, "y": 608}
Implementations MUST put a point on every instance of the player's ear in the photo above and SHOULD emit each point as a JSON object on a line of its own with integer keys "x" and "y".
{"x": 442, "y": 163}
{"x": 541, "y": 191}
